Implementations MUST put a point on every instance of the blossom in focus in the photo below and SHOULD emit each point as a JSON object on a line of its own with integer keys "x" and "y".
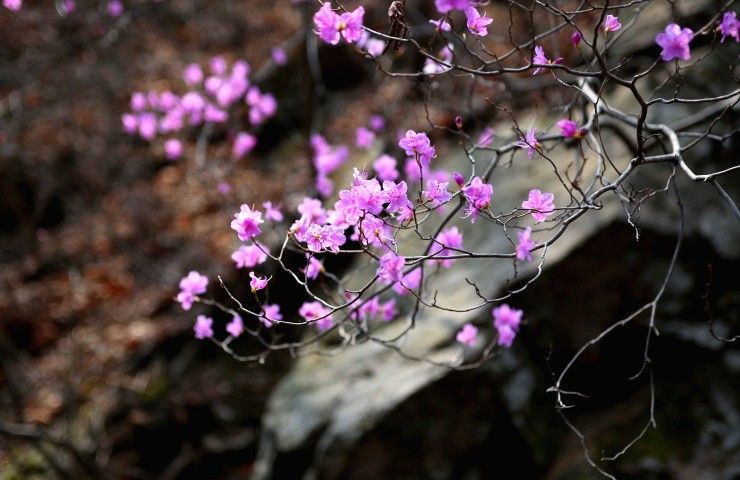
{"x": 541, "y": 59}
{"x": 391, "y": 268}
{"x": 467, "y": 334}
{"x": 729, "y": 26}
{"x": 478, "y": 195}
{"x": 541, "y": 204}
{"x": 611, "y": 24}
{"x": 530, "y": 142}
{"x": 436, "y": 193}
{"x": 246, "y": 223}
{"x": 418, "y": 145}
{"x": 257, "y": 283}
{"x": 203, "y": 327}
{"x": 332, "y": 27}
{"x": 674, "y": 42}
{"x": 476, "y": 22}
{"x": 525, "y": 245}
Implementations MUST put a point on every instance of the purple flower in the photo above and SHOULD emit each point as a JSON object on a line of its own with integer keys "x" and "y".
{"x": 236, "y": 326}
{"x": 444, "y": 6}
{"x": 476, "y": 22}
{"x": 270, "y": 315}
{"x": 442, "y": 24}
{"x": 115, "y": 8}
{"x": 311, "y": 209}
{"x": 540, "y": 203}
{"x": 218, "y": 65}
{"x": 203, "y": 327}
{"x": 246, "y": 223}
{"x": 377, "y": 123}
{"x": 316, "y": 312}
{"x": 190, "y": 286}
{"x": 450, "y": 238}
{"x": 130, "y": 123}
{"x": 418, "y": 145}
{"x": 397, "y": 196}
{"x": 350, "y": 24}
{"x": 478, "y": 195}
{"x": 458, "y": 178}
{"x": 138, "y": 101}
{"x": 13, "y": 5}
{"x": 530, "y": 142}
{"x": 390, "y": 268}
{"x": 467, "y": 334}
{"x": 272, "y": 213}
{"x": 249, "y": 256}
{"x": 436, "y": 193}
{"x": 326, "y": 22}
{"x": 257, "y": 283}
{"x": 541, "y": 59}
{"x": 326, "y": 237}
{"x": 364, "y": 137}
{"x": 525, "y": 245}
{"x": 408, "y": 282}
{"x": 611, "y": 24}
{"x": 570, "y": 129}
{"x": 193, "y": 74}
{"x": 313, "y": 268}
{"x": 674, "y": 42}
{"x": 173, "y": 149}
{"x": 278, "y": 56}
{"x": 729, "y": 26}
{"x": 576, "y": 38}
{"x": 506, "y": 320}
{"x": 385, "y": 168}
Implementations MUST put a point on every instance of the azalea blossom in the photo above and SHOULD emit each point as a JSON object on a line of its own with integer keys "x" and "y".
{"x": 249, "y": 256}
{"x": 418, "y": 145}
{"x": 203, "y": 327}
{"x": 530, "y": 142}
{"x": 570, "y": 129}
{"x": 541, "y": 59}
{"x": 272, "y": 212}
{"x": 478, "y": 195}
{"x": 476, "y": 22}
{"x": 611, "y": 24}
{"x": 190, "y": 286}
{"x": 675, "y": 42}
{"x": 729, "y": 26}
{"x": 525, "y": 245}
{"x": 444, "y": 6}
{"x": 270, "y": 315}
{"x": 436, "y": 193}
{"x": 257, "y": 283}
{"x": 540, "y": 203}
{"x": 467, "y": 334}
{"x": 507, "y": 321}
{"x": 246, "y": 223}
{"x": 236, "y": 326}
{"x": 390, "y": 267}
{"x": 318, "y": 313}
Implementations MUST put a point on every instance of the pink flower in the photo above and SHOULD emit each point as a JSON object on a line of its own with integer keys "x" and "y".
{"x": 246, "y": 223}
{"x": 148, "y": 126}
{"x": 138, "y": 101}
{"x": 390, "y": 268}
{"x": 13, "y": 5}
{"x": 576, "y": 38}
{"x": 257, "y": 283}
{"x": 190, "y": 286}
{"x": 278, "y": 56}
{"x": 193, "y": 74}
{"x": 316, "y": 312}
{"x": 218, "y": 65}
{"x": 410, "y": 281}
{"x": 272, "y": 212}
{"x": 249, "y": 256}
{"x": 570, "y": 129}
{"x": 270, "y": 315}
{"x": 388, "y": 311}
{"x": 729, "y": 26}
{"x": 417, "y": 145}
{"x": 530, "y": 142}
{"x": 115, "y": 8}
{"x": 396, "y": 194}
{"x": 467, "y": 334}
{"x": 525, "y": 245}
{"x": 377, "y": 123}
{"x": 203, "y": 327}
{"x": 435, "y": 67}
{"x": 385, "y": 168}
{"x": 674, "y": 42}
{"x": 506, "y": 320}
{"x": 313, "y": 268}
{"x": 476, "y": 23}
{"x": 450, "y": 238}
{"x": 130, "y": 123}
{"x": 436, "y": 193}
{"x": 541, "y": 59}
{"x": 327, "y": 237}
{"x": 326, "y": 22}
{"x": 540, "y": 203}
{"x": 444, "y": 6}
{"x": 173, "y": 149}
{"x": 442, "y": 24}
{"x": 263, "y": 106}
{"x": 364, "y": 137}
{"x": 478, "y": 195}
{"x": 236, "y": 326}
{"x": 611, "y": 24}
{"x": 350, "y": 24}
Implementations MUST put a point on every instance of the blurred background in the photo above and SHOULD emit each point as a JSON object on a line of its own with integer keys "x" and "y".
{"x": 100, "y": 376}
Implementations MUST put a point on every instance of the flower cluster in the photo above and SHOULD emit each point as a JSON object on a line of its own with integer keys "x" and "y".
{"x": 212, "y": 96}
{"x": 506, "y": 320}
{"x": 191, "y": 286}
